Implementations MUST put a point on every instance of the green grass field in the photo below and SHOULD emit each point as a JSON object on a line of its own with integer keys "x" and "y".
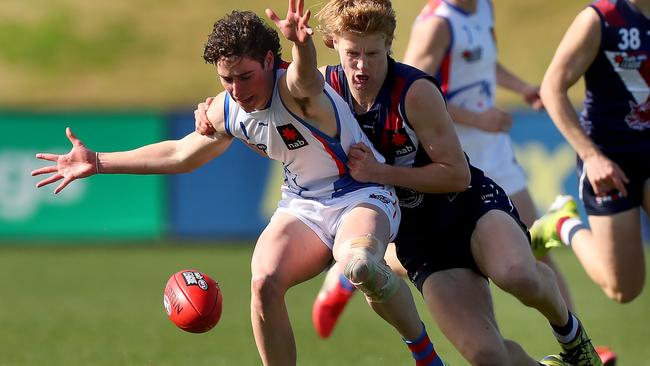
{"x": 103, "y": 306}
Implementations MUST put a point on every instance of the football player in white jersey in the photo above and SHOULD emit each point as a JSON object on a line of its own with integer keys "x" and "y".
{"x": 289, "y": 114}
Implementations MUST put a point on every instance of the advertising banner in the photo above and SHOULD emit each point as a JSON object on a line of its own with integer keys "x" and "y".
{"x": 231, "y": 197}
{"x": 103, "y": 206}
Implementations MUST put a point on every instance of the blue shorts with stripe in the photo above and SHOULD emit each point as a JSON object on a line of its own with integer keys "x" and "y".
{"x": 636, "y": 167}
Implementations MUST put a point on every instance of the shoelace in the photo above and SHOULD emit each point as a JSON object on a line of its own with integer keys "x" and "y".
{"x": 578, "y": 353}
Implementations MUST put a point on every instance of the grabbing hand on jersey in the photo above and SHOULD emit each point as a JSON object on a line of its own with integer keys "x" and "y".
{"x": 605, "y": 175}
{"x": 362, "y": 163}
{"x": 494, "y": 120}
{"x": 80, "y": 162}
{"x": 202, "y": 124}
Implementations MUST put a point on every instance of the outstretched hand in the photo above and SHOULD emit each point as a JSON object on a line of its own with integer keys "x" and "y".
{"x": 80, "y": 162}
{"x": 295, "y": 27}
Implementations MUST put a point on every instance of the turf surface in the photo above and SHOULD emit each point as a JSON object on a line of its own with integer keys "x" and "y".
{"x": 103, "y": 306}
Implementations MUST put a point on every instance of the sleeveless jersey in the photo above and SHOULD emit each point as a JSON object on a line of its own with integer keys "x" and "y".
{"x": 315, "y": 165}
{"x": 449, "y": 216}
{"x": 616, "y": 111}
{"x": 386, "y": 124}
{"x": 467, "y": 76}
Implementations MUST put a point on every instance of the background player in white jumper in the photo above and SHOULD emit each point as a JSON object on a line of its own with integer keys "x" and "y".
{"x": 291, "y": 116}
{"x": 454, "y": 41}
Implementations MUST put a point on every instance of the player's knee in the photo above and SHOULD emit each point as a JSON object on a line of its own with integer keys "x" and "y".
{"x": 265, "y": 290}
{"x": 486, "y": 353}
{"x": 487, "y": 357}
{"x": 366, "y": 269}
{"x": 521, "y": 281}
{"x": 624, "y": 292}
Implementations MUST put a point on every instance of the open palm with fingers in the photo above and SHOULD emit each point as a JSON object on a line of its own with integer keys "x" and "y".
{"x": 294, "y": 27}
{"x": 80, "y": 162}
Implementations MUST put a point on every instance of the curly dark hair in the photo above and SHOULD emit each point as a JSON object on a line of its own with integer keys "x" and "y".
{"x": 241, "y": 34}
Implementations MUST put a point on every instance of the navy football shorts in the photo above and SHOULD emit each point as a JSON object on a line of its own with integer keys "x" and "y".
{"x": 436, "y": 229}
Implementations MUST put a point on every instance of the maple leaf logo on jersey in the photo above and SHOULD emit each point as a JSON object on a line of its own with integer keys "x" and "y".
{"x": 639, "y": 116}
{"x": 399, "y": 139}
{"x": 471, "y": 55}
{"x": 629, "y": 61}
{"x": 291, "y": 136}
{"x": 402, "y": 143}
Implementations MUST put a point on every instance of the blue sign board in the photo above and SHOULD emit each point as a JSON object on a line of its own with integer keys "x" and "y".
{"x": 233, "y": 196}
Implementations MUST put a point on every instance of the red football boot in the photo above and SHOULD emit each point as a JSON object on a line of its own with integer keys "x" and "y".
{"x": 329, "y": 305}
{"x": 607, "y": 356}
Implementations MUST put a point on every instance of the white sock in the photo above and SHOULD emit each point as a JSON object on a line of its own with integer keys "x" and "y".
{"x": 568, "y": 228}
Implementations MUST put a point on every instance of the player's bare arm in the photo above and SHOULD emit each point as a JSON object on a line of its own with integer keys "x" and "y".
{"x": 428, "y": 43}
{"x": 449, "y": 170}
{"x": 576, "y": 52}
{"x": 508, "y": 80}
{"x": 166, "y": 157}
{"x": 303, "y": 80}
{"x": 301, "y": 88}
{"x": 427, "y": 46}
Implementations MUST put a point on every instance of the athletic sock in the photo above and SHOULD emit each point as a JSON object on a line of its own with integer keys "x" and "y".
{"x": 345, "y": 283}
{"x": 422, "y": 350}
{"x": 567, "y": 227}
{"x": 568, "y": 332}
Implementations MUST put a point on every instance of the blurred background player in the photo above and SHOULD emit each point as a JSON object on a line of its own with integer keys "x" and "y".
{"x": 288, "y": 114}
{"x": 467, "y": 67}
{"x": 393, "y": 103}
{"x": 608, "y": 44}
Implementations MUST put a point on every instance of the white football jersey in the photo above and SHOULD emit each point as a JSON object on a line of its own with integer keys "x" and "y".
{"x": 467, "y": 76}
{"x": 315, "y": 165}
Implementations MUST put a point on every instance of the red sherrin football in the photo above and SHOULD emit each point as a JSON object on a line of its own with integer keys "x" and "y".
{"x": 193, "y": 301}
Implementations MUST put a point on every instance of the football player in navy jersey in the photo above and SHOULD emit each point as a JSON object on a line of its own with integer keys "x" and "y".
{"x": 608, "y": 44}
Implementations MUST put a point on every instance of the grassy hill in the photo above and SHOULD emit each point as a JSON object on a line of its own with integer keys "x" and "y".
{"x": 147, "y": 53}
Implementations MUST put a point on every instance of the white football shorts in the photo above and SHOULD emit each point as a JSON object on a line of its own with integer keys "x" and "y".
{"x": 493, "y": 153}
{"x": 324, "y": 216}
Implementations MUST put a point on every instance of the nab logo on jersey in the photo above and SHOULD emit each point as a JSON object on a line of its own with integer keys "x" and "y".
{"x": 291, "y": 136}
{"x": 472, "y": 55}
{"x": 402, "y": 143}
